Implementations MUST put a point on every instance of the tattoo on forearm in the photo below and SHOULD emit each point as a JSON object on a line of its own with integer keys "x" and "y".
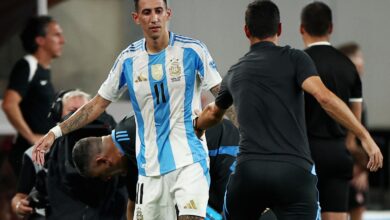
{"x": 190, "y": 217}
{"x": 78, "y": 120}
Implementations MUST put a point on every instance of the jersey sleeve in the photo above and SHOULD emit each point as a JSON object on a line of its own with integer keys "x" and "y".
{"x": 356, "y": 89}
{"x": 304, "y": 66}
{"x": 19, "y": 79}
{"x": 207, "y": 69}
{"x": 115, "y": 84}
{"x": 224, "y": 99}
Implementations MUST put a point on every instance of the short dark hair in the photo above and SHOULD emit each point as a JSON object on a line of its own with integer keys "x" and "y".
{"x": 36, "y": 26}
{"x": 262, "y": 18}
{"x": 316, "y": 18}
{"x": 349, "y": 49}
{"x": 137, "y": 7}
{"x": 84, "y": 152}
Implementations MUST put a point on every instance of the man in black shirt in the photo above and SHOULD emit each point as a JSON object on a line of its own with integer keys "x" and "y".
{"x": 274, "y": 167}
{"x": 327, "y": 138}
{"x": 65, "y": 104}
{"x": 30, "y": 91}
{"x": 114, "y": 154}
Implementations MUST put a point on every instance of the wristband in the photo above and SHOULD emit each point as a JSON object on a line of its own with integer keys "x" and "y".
{"x": 56, "y": 131}
{"x": 195, "y": 124}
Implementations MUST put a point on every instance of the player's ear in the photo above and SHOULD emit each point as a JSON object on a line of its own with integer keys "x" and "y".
{"x": 135, "y": 16}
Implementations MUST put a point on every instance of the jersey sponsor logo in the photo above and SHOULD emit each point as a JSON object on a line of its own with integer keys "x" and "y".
{"x": 190, "y": 205}
{"x": 157, "y": 72}
{"x": 141, "y": 78}
{"x": 43, "y": 82}
{"x": 175, "y": 70}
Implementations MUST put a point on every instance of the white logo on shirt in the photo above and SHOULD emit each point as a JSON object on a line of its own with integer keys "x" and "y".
{"x": 157, "y": 72}
{"x": 43, "y": 82}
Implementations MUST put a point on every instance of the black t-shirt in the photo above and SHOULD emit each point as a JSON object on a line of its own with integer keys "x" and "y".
{"x": 222, "y": 142}
{"x": 37, "y": 93}
{"x": 340, "y": 76}
{"x": 265, "y": 86}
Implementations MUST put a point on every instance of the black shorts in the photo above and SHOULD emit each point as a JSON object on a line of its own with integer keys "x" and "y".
{"x": 334, "y": 167}
{"x": 290, "y": 191}
{"x": 333, "y": 194}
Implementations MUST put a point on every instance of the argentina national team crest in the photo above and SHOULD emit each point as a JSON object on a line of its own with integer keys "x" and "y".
{"x": 175, "y": 70}
{"x": 157, "y": 72}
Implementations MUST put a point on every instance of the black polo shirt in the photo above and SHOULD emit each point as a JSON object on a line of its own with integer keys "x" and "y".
{"x": 265, "y": 86}
{"x": 340, "y": 76}
{"x": 37, "y": 93}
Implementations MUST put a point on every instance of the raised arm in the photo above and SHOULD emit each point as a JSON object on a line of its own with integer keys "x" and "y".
{"x": 340, "y": 112}
{"x": 84, "y": 115}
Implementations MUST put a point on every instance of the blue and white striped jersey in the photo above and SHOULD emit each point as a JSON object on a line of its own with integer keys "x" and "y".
{"x": 164, "y": 91}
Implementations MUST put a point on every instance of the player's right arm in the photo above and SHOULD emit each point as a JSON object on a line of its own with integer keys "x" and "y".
{"x": 340, "y": 112}
{"x": 83, "y": 116}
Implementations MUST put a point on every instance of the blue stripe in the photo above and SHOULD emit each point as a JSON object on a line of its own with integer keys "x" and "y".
{"x": 117, "y": 145}
{"x": 128, "y": 66}
{"x": 233, "y": 166}
{"x": 123, "y": 139}
{"x": 198, "y": 152}
{"x": 205, "y": 168}
{"x": 229, "y": 150}
{"x": 121, "y": 135}
{"x": 318, "y": 217}
{"x": 121, "y": 132}
{"x": 161, "y": 114}
{"x": 212, "y": 214}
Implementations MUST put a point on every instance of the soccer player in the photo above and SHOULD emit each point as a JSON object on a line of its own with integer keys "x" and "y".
{"x": 164, "y": 74}
{"x": 274, "y": 167}
{"x": 115, "y": 154}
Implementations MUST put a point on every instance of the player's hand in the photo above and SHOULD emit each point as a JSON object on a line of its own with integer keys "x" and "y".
{"x": 22, "y": 208}
{"x": 360, "y": 181}
{"x": 374, "y": 153}
{"x": 199, "y": 132}
{"x": 35, "y": 138}
{"x": 41, "y": 147}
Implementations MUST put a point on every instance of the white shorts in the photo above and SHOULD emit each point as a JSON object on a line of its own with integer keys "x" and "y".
{"x": 186, "y": 187}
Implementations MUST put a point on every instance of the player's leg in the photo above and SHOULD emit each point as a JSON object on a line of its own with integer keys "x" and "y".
{"x": 244, "y": 192}
{"x": 151, "y": 203}
{"x": 189, "y": 187}
{"x": 296, "y": 194}
{"x": 334, "y": 198}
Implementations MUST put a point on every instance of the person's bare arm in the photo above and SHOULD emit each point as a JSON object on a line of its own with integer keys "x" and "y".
{"x": 130, "y": 209}
{"x": 14, "y": 115}
{"x": 84, "y": 115}
{"x": 209, "y": 117}
{"x": 230, "y": 112}
{"x": 340, "y": 112}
